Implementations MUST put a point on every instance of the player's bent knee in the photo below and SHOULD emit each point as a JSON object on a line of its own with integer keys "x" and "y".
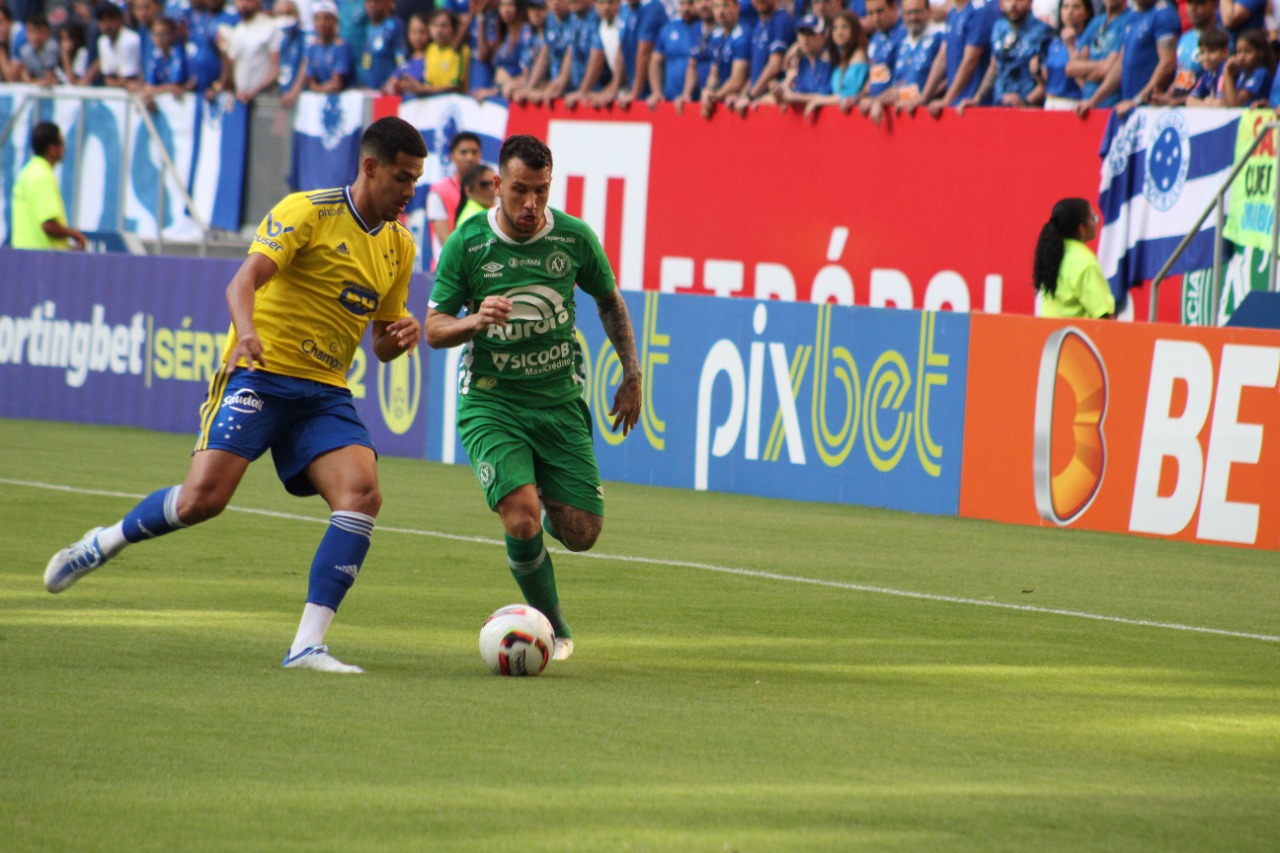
{"x": 367, "y": 501}
{"x": 197, "y": 505}
{"x": 583, "y": 538}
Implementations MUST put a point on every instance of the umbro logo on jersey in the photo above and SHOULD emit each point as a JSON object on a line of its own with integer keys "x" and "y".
{"x": 492, "y": 266}
{"x": 342, "y": 249}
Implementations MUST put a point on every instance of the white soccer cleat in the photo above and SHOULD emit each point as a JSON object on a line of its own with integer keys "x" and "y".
{"x": 74, "y": 562}
{"x": 564, "y": 648}
{"x": 319, "y": 659}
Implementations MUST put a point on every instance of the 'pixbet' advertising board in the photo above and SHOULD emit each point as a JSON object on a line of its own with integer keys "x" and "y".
{"x": 819, "y": 403}
{"x": 1148, "y": 429}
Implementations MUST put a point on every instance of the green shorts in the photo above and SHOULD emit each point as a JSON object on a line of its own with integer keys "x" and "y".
{"x": 551, "y": 447}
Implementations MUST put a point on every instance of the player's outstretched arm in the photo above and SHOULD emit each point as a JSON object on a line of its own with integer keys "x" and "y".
{"x": 445, "y": 330}
{"x": 617, "y": 325}
{"x": 392, "y": 340}
{"x": 256, "y": 271}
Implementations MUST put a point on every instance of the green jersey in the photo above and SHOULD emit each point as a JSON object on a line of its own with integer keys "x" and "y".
{"x": 535, "y": 359}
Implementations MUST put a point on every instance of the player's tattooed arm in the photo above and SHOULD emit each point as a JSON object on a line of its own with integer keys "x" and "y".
{"x": 617, "y": 325}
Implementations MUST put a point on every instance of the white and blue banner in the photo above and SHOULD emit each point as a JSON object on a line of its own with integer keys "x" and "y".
{"x": 439, "y": 118}
{"x": 114, "y": 177}
{"x": 1160, "y": 170}
{"x": 217, "y": 175}
{"x": 326, "y": 139}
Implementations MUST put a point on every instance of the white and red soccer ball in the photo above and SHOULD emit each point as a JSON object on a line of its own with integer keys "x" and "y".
{"x": 517, "y": 640}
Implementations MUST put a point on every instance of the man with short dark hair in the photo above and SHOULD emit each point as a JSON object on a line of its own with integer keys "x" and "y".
{"x": 521, "y": 416}
{"x": 38, "y": 59}
{"x": 882, "y": 49}
{"x": 119, "y": 49}
{"x": 39, "y": 218}
{"x": 323, "y": 267}
{"x": 445, "y": 196}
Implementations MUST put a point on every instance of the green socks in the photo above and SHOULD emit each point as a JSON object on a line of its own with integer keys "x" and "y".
{"x": 531, "y": 567}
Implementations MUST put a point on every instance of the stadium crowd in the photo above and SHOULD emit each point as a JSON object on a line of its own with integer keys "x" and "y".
{"x": 869, "y": 55}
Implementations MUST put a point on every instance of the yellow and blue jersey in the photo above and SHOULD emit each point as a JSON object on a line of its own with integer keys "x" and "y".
{"x": 336, "y": 274}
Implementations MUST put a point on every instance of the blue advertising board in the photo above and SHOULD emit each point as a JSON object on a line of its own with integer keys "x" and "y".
{"x": 808, "y": 402}
{"x": 119, "y": 339}
{"x": 777, "y": 399}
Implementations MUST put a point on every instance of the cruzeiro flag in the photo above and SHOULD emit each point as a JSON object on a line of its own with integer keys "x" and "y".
{"x": 326, "y": 140}
{"x": 1160, "y": 169}
{"x": 439, "y": 118}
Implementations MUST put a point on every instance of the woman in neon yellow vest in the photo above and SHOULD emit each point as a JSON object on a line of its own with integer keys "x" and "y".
{"x": 1066, "y": 271}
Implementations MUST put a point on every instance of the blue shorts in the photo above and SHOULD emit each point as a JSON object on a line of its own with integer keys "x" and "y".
{"x": 298, "y": 419}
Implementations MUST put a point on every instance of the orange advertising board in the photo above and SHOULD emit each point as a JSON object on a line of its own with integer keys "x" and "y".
{"x": 1152, "y": 429}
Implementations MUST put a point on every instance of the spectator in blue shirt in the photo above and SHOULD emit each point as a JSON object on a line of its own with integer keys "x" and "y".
{"x": 1202, "y": 17}
{"x": 329, "y": 64}
{"x": 166, "y": 70}
{"x": 810, "y": 75}
{"x": 913, "y": 62}
{"x": 672, "y": 55}
{"x": 482, "y": 41}
{"x": 1098, "y": 49}
{"x": 773, "y": 34}
{"x": 703, "y": 56}
{"x": 642, "y": 22}
{"x": 293, "y": 46}
{"x": 1241, "y": 15}
{"x": 1016, "y": 40}
{"x": 533, "y": 41}
{"x": 1062, "y": 91}
{"x": 1214, "y": 47}
{"x": 508, "y": 49}
{"x": 964, "y": 56}
{"x": 203, "y": 56}
{"x": 730, "y": 49}
{"x": 1246, "y": 77}
{"x": 384, "y": 45}
{"x": 596, "y": 68}
{"x": 551, "y": 70}
{"x": 847, "y": 51}
{"x": 144, "y": 13}
{"x": 1147, "y": 58}
{"x": 888, "y": 31}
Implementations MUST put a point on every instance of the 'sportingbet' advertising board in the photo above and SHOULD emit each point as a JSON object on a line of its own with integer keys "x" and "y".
{"x": 1156, "y": 430}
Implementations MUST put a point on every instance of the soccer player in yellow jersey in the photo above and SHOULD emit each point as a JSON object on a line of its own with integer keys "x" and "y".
{"x": 323, "y": 266}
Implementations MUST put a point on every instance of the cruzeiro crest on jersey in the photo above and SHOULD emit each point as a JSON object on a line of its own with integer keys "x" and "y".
{"x": 536, "y": 310}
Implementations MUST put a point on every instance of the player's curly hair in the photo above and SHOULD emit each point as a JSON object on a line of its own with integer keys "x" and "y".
{"x": 388, "y": 137}
{"x": 1064, "y": 222}
{"x": 530, "y": 150}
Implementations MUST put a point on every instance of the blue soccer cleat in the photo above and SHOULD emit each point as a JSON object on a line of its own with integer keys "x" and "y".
{"x": 74, "y": 562}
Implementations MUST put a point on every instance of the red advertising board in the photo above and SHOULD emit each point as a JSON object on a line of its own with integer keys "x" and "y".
{"x": 1134, "y": 428}
{"x": 919, "y": 212}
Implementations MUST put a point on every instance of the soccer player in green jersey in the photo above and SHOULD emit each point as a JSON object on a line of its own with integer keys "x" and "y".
{"x": 521, "y": 416}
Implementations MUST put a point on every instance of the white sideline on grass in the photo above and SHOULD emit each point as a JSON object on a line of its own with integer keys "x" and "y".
{"x": 707, "y": 567}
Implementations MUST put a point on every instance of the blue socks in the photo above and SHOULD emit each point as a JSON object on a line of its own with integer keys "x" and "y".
{"x": 339, "y": 557}
{"x": 156, "y": 515}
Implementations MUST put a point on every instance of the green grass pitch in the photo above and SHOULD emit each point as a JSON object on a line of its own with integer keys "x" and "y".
{"x": 745, "y": 678}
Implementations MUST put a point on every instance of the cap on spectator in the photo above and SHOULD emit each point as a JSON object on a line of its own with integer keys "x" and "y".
{"x": 327, "y": 7}
{"x": 107, "y": 10}
{"x": 810, "y": 23}
{"x": 541, "y": 4}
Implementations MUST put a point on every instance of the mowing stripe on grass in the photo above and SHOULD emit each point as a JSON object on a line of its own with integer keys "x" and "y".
{"x": 708, "y": 567}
